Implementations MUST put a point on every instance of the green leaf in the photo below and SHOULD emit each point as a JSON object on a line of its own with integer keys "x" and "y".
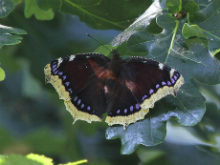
{"x": 6, "y": 7}
{"x": 7, "y": 37}
{"x": 18, "y": 160}
{"x": 104, "y": 14}
{"x": 191, "y": 57}
{"x": 1, "y": 159}
{"x": 104, "y": 49}
{"x": 2, "y": 74}
{"x": 208, "y": 22}
{"x": 192, "y": 8}
{"x": 192, "y": 31}
{"x": 209, "y": 15}
{"x": 76, "y": 163}
{"x": 152, "y": 130}
{"x": 137, "y": 134}
{"x": 165, "y": 47}
{"x": 174, "y": 5}
{"x": 31, "y": 8}
{"x": 31, "y": 159}
{"x": 40, "y": 158}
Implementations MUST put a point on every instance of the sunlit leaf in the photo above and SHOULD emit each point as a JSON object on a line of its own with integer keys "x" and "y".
{"x": 2, "y": 74}
{"x": 76, "y": 163}
{"x": 18, "y": 160}
{"x": 40, "y": 158}
{"x": 31, "y": 159}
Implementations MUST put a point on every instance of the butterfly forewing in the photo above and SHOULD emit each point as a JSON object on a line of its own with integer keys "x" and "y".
{"x": 79, "y": 80}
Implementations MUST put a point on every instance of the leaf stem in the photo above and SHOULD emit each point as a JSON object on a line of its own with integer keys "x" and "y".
{"x": 80, "y": 161}
{"x": 172, "y": 41}
{"x": 180, "y": 7}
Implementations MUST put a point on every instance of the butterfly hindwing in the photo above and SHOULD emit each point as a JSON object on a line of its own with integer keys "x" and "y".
{"x": 141, "y": 83}
{"x": 151, "y": 80}
{"x": 122, "y": 106}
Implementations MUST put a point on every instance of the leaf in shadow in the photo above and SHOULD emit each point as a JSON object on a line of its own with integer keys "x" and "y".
{"x": 152, "y": 130}
{"x": 104, "y": 14}
{"x": 8, "y": 37}
{"x": 6, "y": 7}
{"x": 190, "y": 56}
{"x": 208, "y": 21}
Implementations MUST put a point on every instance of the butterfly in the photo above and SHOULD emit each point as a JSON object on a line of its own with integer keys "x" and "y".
{"x": 91, "y": 84}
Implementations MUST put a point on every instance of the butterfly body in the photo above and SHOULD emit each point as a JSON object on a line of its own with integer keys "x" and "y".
{"x": 91, "y": 84}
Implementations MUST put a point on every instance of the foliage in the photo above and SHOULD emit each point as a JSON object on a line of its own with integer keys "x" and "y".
{"x": 33, "y": 159}
{"x": 170, "y": 47}
{"x": 2, "y": 74}
{"x": 180, "y": 33}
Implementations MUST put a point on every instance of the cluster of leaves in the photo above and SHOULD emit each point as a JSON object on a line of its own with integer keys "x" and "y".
{"x": 185, "y": 43}
{"x": 180, "y": 33}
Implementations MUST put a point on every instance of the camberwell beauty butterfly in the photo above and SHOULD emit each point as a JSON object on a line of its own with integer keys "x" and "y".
{"x": 91, "y": 84}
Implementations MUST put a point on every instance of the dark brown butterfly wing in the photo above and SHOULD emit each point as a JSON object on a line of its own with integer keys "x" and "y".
{"x": 78, "y": 79}
{"x": 122, "y": 105}
{"x": 141, "y": 83}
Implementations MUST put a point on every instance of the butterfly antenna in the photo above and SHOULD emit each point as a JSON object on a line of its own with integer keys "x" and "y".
{"x": 98, "y": 41}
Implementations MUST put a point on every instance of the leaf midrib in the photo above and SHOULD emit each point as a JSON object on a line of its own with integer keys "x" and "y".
{"x": 91, "y": 14}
